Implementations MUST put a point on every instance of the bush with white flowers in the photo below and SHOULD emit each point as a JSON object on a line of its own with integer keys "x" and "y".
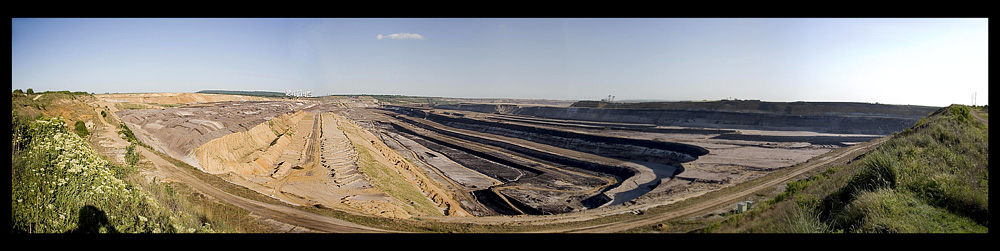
{"x": 55, "y": 175}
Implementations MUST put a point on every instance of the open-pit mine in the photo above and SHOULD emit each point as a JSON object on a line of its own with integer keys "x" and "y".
{"x": 403, "y": 161}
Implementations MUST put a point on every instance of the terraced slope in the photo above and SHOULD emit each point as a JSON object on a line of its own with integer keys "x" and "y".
{"x": 253, "y": 152}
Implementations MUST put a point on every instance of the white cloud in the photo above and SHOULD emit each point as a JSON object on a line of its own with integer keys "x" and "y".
{"x": 400, "y": 36}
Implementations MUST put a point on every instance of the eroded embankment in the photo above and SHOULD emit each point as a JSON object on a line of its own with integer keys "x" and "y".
{"x": 633, "y": 179}
{"x": 529, "y": 186}
{"x": 617, "y": 171}
{"x": 178, "y": 131}
{"x": 605, "y": 126}
{"x": 252, "y": 152}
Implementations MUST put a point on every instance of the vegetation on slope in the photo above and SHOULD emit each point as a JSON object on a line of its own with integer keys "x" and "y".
{"x": 932, "y": 178}
{"x": 60, "y": 184}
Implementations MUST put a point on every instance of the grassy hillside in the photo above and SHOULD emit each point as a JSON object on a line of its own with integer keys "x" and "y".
{"x": 931, "y": 178}
{"x": 60, "y": 184}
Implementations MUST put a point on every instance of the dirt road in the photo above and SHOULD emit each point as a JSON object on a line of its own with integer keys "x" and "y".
{"x": 981, "y": 119}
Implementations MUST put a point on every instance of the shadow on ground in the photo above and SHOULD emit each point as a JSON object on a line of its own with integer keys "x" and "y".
{"x": 92, "y": 221}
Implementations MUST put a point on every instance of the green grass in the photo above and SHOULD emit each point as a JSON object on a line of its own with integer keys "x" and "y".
{"x": 901, "y": 211}
{"x": 932, "y": 178}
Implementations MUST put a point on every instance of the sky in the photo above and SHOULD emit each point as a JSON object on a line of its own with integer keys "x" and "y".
{"x": 917, "y": 61}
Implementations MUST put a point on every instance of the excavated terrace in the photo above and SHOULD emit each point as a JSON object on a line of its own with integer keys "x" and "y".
{"x": 482, "y": 160}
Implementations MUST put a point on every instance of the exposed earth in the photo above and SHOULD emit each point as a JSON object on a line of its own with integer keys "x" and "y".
{"x": 493, "y": 163}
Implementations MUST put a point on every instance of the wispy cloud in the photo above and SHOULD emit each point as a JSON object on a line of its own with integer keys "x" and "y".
{"x": 400, "y": 36}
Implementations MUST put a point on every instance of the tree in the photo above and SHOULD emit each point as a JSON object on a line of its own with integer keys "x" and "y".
{"x": 31, "y": 92}
{"x": 18, "y": 91}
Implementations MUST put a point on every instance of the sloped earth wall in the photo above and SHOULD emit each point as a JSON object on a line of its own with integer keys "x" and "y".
{"x": 178, "y": 131}
{"x": 252, "y": 152}
{"x": 620, "y": 148}
{"x": 615, "y": 147}
{"x": 876, "y": 124}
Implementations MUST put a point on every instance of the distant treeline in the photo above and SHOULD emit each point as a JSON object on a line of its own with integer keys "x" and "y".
{"x": 246, "y": 93}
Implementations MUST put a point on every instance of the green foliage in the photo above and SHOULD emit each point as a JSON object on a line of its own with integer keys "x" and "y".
{"x": 60, "y": 185}
{"x": 131, "y": 156}
{"x": 127, "y": 133}
{"x": 30, "y": 91}
{"x": 933, "y": 177}
{"x": 961, "y": 113}
{"x": 104, "y": 114}
{"x": 81, "y": 128}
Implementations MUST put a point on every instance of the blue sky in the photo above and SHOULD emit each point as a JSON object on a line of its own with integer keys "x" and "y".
{"x": 923, "y": 61}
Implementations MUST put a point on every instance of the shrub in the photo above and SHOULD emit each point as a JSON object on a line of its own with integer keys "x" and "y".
{"x": 131, "y": 156}
{"x": 960, "y": 113}
{"x": 61, "y": 185}
{"x": 81, "y": 128}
